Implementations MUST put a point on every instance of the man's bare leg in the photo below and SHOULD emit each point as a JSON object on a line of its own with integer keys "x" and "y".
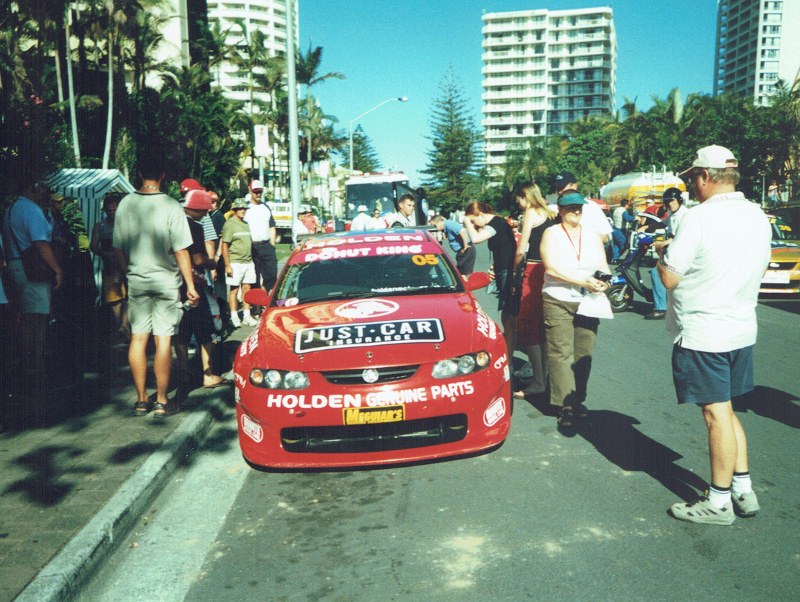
{"x": 137, "y": 359}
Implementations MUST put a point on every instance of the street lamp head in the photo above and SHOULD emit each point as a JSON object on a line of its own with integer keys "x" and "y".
{"x": 402, "y": 98}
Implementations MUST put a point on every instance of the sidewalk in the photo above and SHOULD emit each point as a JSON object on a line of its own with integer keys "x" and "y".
{"x": 71, "y": 488}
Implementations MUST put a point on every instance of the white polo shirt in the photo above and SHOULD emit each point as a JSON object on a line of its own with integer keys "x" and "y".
{"x": 721, "y": 251}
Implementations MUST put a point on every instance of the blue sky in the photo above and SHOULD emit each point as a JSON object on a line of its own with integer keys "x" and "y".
{"x": 390, "y": 48}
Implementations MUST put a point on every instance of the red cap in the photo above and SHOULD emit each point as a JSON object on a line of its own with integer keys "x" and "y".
{"x": 198, "y": 199}
{"x": 190, "y": 184}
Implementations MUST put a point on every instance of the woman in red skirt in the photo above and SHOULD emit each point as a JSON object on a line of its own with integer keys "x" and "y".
{"x": 536, "y": 219}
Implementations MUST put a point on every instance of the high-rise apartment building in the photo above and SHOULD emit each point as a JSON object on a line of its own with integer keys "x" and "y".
{"x": 542, "y": 70}
{"x": 757, "y": 44}
{"x": 267, "y": 16}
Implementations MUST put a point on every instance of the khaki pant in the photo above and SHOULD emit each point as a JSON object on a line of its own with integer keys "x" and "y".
{"x": 570, "y": 342}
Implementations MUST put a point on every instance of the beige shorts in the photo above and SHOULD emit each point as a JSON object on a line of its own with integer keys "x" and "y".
{"x": 157, "y": 312}
{"x": 243, "y": 273}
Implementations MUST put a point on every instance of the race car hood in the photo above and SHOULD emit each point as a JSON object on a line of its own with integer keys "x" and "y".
{"x": 379, "y": 331}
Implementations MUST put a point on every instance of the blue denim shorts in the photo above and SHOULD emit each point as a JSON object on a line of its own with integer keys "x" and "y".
{"x": 703, "y": 377}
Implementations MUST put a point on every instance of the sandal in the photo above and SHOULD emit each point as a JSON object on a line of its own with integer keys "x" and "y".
{"x": 162, "y": 410}
{"x": 141, "y": 408}
{"x": 565, "y": 420}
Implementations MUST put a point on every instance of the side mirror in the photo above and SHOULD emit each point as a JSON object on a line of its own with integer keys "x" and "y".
{"x": 257, "y": 296}
{"x": 477, "y": 280}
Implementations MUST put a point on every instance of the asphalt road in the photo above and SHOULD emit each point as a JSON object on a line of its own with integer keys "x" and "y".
{"x": 543, "y": 517}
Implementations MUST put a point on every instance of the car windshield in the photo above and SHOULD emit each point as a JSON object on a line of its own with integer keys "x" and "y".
{"x": 781, "y": 230}
{"x": 364, "y": 277}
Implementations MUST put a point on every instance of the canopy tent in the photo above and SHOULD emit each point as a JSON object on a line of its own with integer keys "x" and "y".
{"x": 88, "y": 187}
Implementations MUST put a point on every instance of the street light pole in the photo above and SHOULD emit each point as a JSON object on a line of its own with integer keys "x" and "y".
{"x": 352, "y": 121}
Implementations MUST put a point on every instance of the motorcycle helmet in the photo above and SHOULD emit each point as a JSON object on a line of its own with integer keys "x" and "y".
{"x": 672, "y": 194}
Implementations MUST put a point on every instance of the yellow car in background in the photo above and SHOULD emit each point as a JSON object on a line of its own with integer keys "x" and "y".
{"x": 783, "y": 272}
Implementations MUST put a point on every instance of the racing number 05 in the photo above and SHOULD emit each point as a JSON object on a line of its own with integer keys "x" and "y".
{"x": 429, "y": 259}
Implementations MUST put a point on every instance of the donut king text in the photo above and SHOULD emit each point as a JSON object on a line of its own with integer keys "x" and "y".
{"x": 369, "y": 333}
{"x": 374, "y": 399}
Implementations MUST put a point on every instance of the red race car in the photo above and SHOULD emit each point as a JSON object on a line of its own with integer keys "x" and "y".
{"x": 371, "y": 350}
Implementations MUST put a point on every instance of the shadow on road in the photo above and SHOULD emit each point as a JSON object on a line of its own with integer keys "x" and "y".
{"x": 613, "y": 435}
{"x": 771, "y": 403}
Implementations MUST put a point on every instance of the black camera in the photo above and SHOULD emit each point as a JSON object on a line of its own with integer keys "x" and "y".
{"x": 602, "y": 276}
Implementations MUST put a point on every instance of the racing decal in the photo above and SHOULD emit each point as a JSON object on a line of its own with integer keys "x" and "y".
{"x": 372, "y": 238}
{"x": 429, "y": 259}
{"x": 500, "y": 361}
{"x": 366, "y": 308}
{"x": 374, "y": 415}
{"x": 506, "y": 373}
{"x": 239, "y": 380}
{"x": 495, "y": 411}
{"x": 252, "y": 429}
{"x": 486, "y": 325}
{"x": 249, "y": 344}
{"x": 323, "y": 338}
{"x": 374, "y": 399}
{"x": 333, "y": 253}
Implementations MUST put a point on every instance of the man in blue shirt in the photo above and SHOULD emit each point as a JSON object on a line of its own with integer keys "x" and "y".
{"x": 459, "y": 241}
{"x": 29, "y": 226}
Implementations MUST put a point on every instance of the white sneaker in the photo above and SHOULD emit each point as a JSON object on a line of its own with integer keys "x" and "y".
{"x": 249, "y": 320}
{"x": 745, "y": 504}
{"x": 235, "y": 320}
{"x": 703, "y": 511}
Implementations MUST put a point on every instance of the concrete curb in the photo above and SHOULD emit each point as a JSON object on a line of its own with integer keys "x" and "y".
{"x": 64, "y": 575}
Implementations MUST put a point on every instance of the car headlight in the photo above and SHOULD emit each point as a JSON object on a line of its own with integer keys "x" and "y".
{"x": 278, "y": 379}
{"x": 463, "y": 364}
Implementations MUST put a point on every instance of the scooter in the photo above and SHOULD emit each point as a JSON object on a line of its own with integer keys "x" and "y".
{"x": 628, "y": 277}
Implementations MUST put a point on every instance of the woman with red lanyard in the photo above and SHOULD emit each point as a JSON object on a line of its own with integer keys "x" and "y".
{"x": 483, "y": 225}
{"x": 572, "y": 257}
{"x": 536, "y": 219}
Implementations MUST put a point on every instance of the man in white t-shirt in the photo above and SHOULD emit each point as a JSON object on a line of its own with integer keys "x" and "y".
{"x": 264, "y": 236}
{"x": 712, "y": 270}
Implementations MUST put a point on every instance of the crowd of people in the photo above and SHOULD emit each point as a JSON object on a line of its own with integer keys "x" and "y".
{"x": 552, "y": 278}
{"x": 178, "y": 271}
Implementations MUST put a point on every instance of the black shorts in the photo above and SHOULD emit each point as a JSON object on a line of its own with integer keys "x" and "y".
{"x": 197, "y": 321}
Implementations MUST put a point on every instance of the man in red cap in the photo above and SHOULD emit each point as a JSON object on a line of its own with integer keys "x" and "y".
{"x": 197, "y": 320}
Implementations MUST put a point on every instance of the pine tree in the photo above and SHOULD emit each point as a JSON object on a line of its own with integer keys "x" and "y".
{"x": 451, "y": 162}
{"x": 365, "y": 157}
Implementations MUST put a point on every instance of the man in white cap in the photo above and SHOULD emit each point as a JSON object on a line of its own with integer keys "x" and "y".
{"x": 264, "y": 236}
{"x": 361, "y": 221}
{"x": 712, "y": 276}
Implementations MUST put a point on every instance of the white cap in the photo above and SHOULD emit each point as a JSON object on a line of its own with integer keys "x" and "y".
{"x": 362, "y": 208}
{"x": 256, "y": 185}
{"x": 712, "y": 157}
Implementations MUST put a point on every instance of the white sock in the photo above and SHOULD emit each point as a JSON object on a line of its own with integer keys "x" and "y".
{"x": 246, "y": 313}
{"x": 741, "y": 483}
{"x": 719, "y": 497}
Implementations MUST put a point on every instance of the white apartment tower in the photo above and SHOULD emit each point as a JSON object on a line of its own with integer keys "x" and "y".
{"x": 268, "y": 16}
{"x": 757, "y": 44}
{"x": 542, "y": 70}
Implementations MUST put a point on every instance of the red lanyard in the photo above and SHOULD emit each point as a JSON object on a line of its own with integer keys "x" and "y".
{"x": 580, "y": 237}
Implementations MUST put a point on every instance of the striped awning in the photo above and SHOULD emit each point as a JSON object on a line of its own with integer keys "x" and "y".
{"x": 88, "y": 187}
{"x": 88, "y": 184}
